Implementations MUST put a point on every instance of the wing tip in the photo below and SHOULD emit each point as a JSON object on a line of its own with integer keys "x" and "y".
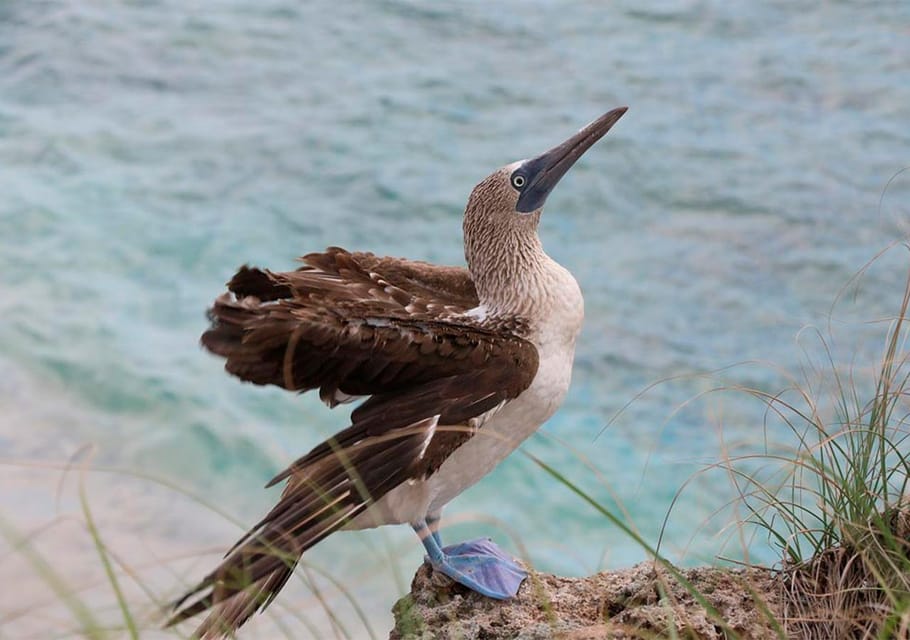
{"x": 261, "y": 283}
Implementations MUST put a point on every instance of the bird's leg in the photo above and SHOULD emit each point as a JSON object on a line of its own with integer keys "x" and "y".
{"x": 478, "y": 564}
{"x": 433, "y": 524}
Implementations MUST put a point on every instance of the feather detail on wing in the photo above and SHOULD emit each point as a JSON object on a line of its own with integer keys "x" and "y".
{"x": 340, "y": 325}
{"x": 353, "y": 325}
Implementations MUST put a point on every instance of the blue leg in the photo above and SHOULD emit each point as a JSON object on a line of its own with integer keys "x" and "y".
{"x": 478, "y": 564}
{"x": 433, "y": 524}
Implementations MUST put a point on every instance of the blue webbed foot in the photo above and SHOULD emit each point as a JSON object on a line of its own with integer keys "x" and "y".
{"x": 481, "y": 566}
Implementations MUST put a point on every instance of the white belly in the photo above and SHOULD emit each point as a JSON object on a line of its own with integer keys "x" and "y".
{"x": 503, "y": 433}
{"x": 561, "y": 310}
{"x": 497, "y": 438}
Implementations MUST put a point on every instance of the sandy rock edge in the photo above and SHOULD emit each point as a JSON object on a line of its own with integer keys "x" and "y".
{"x": 644, "y": 601}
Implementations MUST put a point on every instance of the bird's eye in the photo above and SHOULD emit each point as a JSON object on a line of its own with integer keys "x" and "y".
{"x": 518, "y": 181}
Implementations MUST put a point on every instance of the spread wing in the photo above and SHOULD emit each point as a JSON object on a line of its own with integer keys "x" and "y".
{"x": 353, "y": 325}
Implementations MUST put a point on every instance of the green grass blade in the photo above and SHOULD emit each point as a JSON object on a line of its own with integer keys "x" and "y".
{"x": 90, "y": 628}
{"x": 101, "y": 548}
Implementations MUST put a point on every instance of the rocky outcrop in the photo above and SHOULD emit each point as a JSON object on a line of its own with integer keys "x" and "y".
{"x": 641, "y": 602}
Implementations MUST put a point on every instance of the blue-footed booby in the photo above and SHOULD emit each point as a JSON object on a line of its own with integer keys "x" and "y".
{"x": 457, "y": 367}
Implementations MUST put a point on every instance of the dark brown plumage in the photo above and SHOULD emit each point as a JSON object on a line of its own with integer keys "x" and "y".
{"x": 353, "y": 325}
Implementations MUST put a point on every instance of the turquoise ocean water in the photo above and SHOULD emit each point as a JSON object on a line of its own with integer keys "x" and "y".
{"x": 148, "y": 148}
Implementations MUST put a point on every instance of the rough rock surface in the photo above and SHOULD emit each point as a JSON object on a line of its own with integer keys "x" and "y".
{"x": 641, "y": 602}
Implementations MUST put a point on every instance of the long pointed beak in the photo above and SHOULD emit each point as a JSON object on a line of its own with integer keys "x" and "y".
{"x": 544, "y": 171}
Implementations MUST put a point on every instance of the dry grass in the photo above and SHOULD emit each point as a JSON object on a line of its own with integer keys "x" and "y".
{"x": 855, "y": 590}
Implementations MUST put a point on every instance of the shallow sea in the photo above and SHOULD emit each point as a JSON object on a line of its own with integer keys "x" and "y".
{"x": 148, "y": 148}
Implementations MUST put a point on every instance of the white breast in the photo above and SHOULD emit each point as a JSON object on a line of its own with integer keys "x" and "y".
{"x": 557, "y": 321}
{"x": 505, "y": 430}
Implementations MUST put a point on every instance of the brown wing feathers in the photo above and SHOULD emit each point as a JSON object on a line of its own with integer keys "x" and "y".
{"x": 342, "y": 275}
{"x": 340, "y": 327}
{"x": 455, "y": 400}
{"x": 352, "y": 325}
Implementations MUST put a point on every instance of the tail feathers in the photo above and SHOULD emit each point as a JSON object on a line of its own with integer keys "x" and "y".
{"x": 255, "y": 570}
{"x": 246, "y": 582}
{"x": 230, "y": 608}
{"x": 251, "y": 576}
{"x": 323, "y": 496}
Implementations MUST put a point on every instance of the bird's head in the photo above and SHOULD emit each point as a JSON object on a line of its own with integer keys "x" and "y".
{"x": 502, "y": 213}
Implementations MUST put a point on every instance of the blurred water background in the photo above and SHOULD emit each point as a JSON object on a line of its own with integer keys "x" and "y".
{"x": 148, "y": 148}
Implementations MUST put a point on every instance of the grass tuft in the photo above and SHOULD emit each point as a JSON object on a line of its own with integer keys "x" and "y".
{"x": 838, "y": 508}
